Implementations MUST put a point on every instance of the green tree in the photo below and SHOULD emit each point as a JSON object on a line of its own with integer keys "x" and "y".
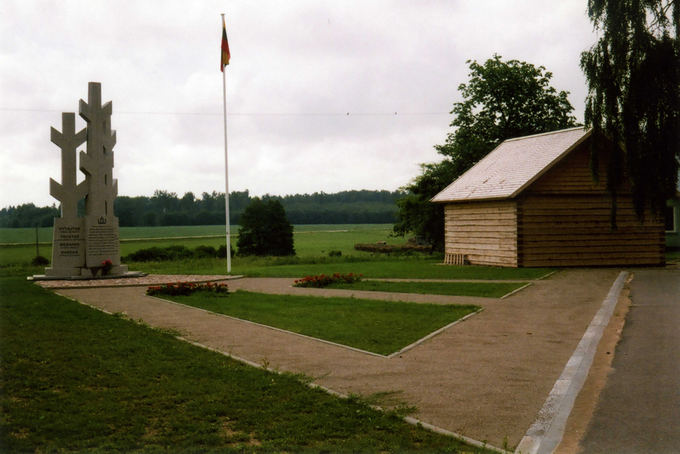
{"x": 186, "y": 203}
{"x": 265, "y": 229}
{"x": 633, "y": 102}
{"x": 502, "y": 99}
{"x": 164, "y": 201}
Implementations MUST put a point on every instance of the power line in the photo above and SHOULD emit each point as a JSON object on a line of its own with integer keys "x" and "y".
{"x": 250, "y": 114}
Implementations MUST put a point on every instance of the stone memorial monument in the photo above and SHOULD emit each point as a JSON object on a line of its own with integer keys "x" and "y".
{"x": 87, "y": 246}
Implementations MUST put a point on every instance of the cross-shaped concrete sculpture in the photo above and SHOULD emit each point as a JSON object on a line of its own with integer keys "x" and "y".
{"x": 68, "y": 192}
{"x": 86, "y": 246}
{"x": 97, "y": 163}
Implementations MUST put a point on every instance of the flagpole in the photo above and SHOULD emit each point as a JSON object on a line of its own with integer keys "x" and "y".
{"x": 226, "y": 167}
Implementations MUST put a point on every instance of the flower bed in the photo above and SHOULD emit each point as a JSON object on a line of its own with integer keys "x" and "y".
{"x": 187, "y": 288}
{"x": 323, "y": 280}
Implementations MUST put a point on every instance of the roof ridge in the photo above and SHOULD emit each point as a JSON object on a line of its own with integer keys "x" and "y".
{"x": 510, "y": 167}
{"x": 546, "y": 133}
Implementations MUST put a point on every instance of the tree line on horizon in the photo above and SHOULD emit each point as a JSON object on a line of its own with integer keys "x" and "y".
{"x": 166, "y": 208}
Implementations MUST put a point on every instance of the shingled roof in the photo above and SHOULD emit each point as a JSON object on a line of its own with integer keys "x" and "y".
{"x": 512, "y": 166}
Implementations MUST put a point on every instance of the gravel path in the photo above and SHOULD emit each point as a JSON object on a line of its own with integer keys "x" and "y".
{"x": 485, "y": 378}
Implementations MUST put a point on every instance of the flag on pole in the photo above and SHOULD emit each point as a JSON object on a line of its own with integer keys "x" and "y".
{"x": 224, "y": 62}
{"x": 225, "y": 47}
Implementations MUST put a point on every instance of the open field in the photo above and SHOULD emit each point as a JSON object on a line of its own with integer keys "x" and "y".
{"x": 310, "y": 240}
{"x": 312, "y": 244}
{"x": 76, "y": 379}
{"x": 27, "y": 235}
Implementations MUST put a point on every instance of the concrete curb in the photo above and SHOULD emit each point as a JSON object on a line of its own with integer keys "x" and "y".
{"x": 545, "y": 434}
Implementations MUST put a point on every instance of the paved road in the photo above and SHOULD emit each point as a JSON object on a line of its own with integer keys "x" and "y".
{"x": 639, "y": 410}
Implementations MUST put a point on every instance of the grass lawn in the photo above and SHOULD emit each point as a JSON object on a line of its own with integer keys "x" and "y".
{"x": 387, "y": 267}
{"x": 485, "y": 289}
{"x": 382, "y": 327}
{"x": 76, "y": 379}
{"x": 407, "y": 267}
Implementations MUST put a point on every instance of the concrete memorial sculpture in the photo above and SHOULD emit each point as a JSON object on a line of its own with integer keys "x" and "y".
{"x": 87, "y": 246}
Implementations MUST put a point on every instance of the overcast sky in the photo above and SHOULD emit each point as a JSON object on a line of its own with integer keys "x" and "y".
{"x": 321, "y": 95}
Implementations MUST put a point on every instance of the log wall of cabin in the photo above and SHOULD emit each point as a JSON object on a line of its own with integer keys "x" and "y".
{"x": 485, "y": 232}
{"x": 564, "y": 220}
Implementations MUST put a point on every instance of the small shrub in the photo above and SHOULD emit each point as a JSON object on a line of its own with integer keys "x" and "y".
{"x": 323, "y": 280}
{"x": 187, "y": 288}
{"x": 222, "y": 251}
{"x": 205, "y": 251}
{"x": 334, "y": 253}
{"x": 385, "y": 248}
{"x": 39, "y": 260}
{"x": 157, "y": 254}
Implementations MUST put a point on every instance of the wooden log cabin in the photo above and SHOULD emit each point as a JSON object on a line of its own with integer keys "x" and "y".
{"x": 532, "y": 202}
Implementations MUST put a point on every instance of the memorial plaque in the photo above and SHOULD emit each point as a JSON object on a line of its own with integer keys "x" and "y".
{"x": 101, "y": 241}
{"x": 68, "y": 247}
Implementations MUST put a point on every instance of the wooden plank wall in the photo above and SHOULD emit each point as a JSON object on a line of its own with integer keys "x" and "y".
{"x": 485, "y": 232}
{"x": 576, "y": 231}
{"x": 572, "y": 175}
{"x": 564, "y": 220}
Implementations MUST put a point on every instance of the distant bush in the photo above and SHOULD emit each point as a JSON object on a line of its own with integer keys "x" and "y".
{"x": 39, "y": 260}
{"x": 222, "y": 251}
{"x": 205, "y": 251}
{"x": 334, "y": 253}
{"x": 158, "y": 254}
{"x": 384, "y": 248}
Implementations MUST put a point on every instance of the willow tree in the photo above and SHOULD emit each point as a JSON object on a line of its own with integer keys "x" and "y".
{"x": 633, "y": 101}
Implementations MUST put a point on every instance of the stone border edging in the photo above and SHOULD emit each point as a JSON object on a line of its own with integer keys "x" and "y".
{"x": 507, "y": 295}
{"x": 545, "y": 434}
{"x": 334, "y": 344}
{"x": 408, "y": 419}
{"x": 54, "y": 284}
{"x": 434, "y": 333}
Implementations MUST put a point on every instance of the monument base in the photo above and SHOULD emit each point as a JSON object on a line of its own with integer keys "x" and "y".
{"x": 85, "y": 276}
{"x": 62, "y": 272}
{"x": 116, "y": 270}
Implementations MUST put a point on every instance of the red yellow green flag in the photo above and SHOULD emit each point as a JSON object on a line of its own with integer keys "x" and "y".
{"x": 225, "y": 47}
